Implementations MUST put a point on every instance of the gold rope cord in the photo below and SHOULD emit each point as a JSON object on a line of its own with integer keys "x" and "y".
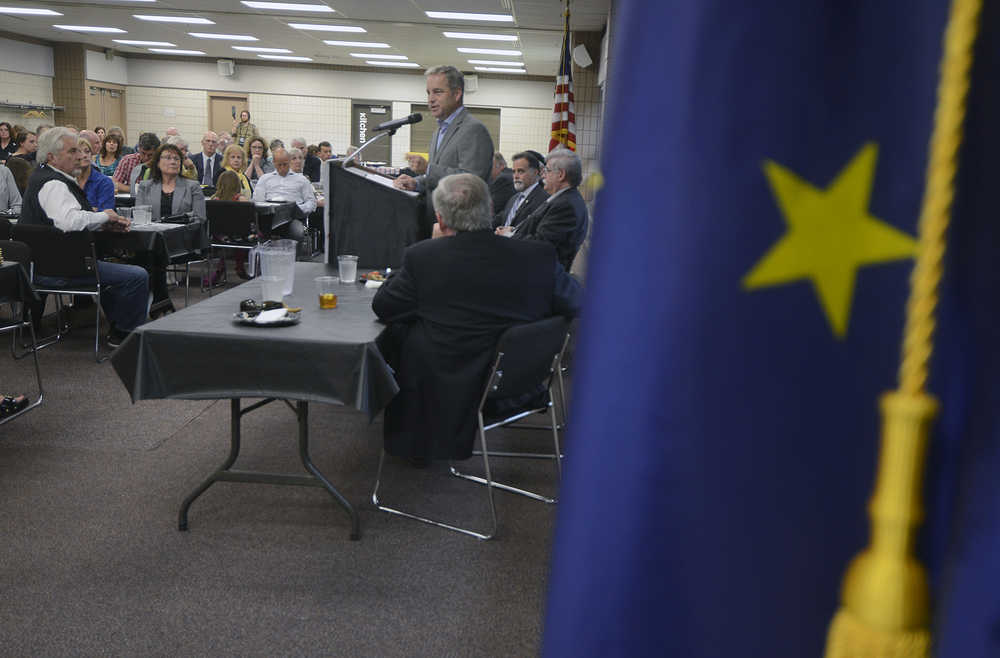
{"x": 885, "y": 610}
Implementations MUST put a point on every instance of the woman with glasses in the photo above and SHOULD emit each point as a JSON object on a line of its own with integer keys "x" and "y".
{"x": 169, "y": 194}
{"x": 259, "y": 164}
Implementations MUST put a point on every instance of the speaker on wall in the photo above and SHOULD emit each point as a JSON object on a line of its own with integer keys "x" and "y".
{"x": 471, "y": 83}
{"x": 227, "y": 67}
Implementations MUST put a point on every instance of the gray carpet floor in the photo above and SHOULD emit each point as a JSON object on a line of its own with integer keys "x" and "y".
{"x": 92, "y": 563}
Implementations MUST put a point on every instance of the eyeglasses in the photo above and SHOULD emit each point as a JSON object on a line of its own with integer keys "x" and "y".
{"x": 169, "y": 158}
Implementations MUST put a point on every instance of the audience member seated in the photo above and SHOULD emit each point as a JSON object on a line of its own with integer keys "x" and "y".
{"x": 188, "y": 170}
{"x": 125, "y": 148}
{"x": 27, "y": 144}
{"x": 326, "y": 151}
{"x": 54, "y": 199}
{"x": 134, "y": 167}
{"x": 93, "y": 139}
{"x": 501, "y": 182}
{"x": 208, "y": 163}
{"x": 417, "y": 164}
{"x": 562, "y": 219}
{"x": 258, "y": 164}
{"x": 311, "y": 164}
{"x": 10, "y": 196}
{"x": 8, "y": 145}
{"x": 236, "y": 161}
{"x": 446, "y": 308}
{"x": 228, "y": 187}
{"x": 274, "y": 146}
{"x": 529, "y": 191}
{"x": 243, "y": 130}
{"x": 21, "y": 169}
{"x": 110, "y": 155}
{"x": 169, "y": 194}
{"x": 282, "y": 184}
{"x": 98, "y": 188}
{"x": 101, "y": 132}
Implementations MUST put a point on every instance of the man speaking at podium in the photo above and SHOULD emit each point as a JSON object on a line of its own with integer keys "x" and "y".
{"x": 460, "y": 144}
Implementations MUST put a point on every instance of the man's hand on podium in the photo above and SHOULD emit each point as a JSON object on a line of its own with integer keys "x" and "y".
{"x": 404, "y": 182}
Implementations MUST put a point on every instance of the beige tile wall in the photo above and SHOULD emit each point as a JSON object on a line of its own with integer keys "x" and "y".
{"x": 315, "y": 118}
{"x": 24, "y": 88}
{"x": 524, "y": 128}
{"x": 401, "y": 140}
{"x": 150, "y": 109}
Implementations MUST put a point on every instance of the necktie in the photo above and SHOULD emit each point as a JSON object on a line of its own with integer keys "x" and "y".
{"x": 207, "y": 180}
{"x": 513, "y": 209}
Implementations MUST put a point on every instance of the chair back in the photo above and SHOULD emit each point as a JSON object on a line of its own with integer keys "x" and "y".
{"x": 4, "y": 228}
{"x": 59, "y": 254}
{"x": 525, "y": 354}
{"x": 17, "y": 252}
{"x": 232, "y": 218}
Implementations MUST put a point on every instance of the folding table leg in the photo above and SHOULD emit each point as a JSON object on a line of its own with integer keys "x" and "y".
{"x": 234, "y": 452}
{"x": 302, "y": 412}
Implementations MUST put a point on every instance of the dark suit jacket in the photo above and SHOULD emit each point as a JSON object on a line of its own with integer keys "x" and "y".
{"x": 536, "y": 198}
{"x": 502, "y": 189}
{"x": 311, "y": 168}
{"x": 560, "y": 221}
{"x": 447, "y": 307}
{"x": 199, "y": 164}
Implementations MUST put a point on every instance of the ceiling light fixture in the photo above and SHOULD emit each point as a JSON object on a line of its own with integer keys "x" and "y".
{"x": 29, "y": 11}
{"x": 377, "y": 56}
{"x": 167, "y": 51}
{"x": 287, "y": 6}
{"x": 358, "y": 44}
{"x": 494, "y": 62}
{"x": 173, "y": 19}
{"x": 477, "y": 35}
{"x": 404, "y": 65}
{"x": 286, "y": 58}
{"x": 224, "y": 37}
{"x": 321, "y": 27}
{"x": 464, "y": 16}
{"x": 90, "y": 28}
{"x": 499, "y": 70}
{"x": 489, "y": 51}
{"x": 130, "y": 42}
{"x": 255, "y": 49}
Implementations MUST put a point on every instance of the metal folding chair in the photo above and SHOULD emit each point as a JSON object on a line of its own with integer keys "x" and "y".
{"x": 64, "y": 255}
{"x": 20, "y": 253}
{"x": 525, "y": 366}
{"x": 235, "y": 219}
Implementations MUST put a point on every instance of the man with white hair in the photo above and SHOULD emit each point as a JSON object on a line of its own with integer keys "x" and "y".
{"x": 312, "y": 165}
{"x": 562, "y": 219}
{"x": 188, "y": 170}
{"x": 446, "y": 308}
{"x": 53, "y": 198}
{"x": 208, "y": 163}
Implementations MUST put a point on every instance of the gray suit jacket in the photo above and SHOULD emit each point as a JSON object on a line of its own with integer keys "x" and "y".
{"x": 187, "y": 197}
{"x": 465, "y": 148}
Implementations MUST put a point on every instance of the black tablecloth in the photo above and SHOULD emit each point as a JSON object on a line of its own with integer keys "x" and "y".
{"x": 164, "y": 240}
{"x": 200, "y": 353}
{"x": 14, "y": 283}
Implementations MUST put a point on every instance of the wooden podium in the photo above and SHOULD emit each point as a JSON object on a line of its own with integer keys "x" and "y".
{"x": 367, "y": 217}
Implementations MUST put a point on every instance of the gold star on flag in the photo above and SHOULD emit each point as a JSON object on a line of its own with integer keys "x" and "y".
{"x": 830, "y": 235}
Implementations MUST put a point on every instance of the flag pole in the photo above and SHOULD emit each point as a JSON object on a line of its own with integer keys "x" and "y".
{"x": 885, "y": 601}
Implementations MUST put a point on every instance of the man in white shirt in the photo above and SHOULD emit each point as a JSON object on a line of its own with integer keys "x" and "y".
{"x": 282, "y": 184}
{"x": 10, "y": 198}
{"x": 53, "y": 198}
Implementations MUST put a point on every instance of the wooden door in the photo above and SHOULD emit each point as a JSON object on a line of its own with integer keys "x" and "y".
{"x": 105, "y": 105}
{"x": 223, "y": 109}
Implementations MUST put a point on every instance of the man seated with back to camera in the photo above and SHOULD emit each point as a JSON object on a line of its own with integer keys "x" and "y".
{"x": 562, "y": 219}
{"x": 446, "y": 308}
{"x": 53, "y": 198}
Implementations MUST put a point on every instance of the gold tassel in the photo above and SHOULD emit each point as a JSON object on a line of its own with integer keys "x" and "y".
{"x": 885, "y": 601}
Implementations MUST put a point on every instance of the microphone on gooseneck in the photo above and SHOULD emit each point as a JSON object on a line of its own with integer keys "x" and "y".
{"x": 397, "y": 123}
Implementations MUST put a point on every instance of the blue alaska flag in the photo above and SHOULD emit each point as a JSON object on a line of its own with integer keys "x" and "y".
{"x": 764, "y": 165}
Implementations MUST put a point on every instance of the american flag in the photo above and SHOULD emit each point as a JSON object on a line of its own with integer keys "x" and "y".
{"x": 563, "y": 112}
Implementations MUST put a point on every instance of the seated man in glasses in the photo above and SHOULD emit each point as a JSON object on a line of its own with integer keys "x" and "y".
{"x": 446, "y": 308}
{"x": 53, "y": 198}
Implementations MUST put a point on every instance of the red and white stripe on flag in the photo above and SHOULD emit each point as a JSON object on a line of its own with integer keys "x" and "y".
{"x": 563, "y": 112}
